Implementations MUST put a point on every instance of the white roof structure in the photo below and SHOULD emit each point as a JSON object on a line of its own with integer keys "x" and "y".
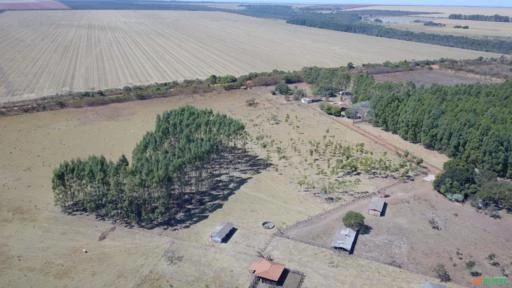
{"x": 221, "y": 231}
{"x": 306, "y": 100}
{"x": 429, "y": 177}
{"x": 344, "y": 239}
{"x": 376, "y": 204}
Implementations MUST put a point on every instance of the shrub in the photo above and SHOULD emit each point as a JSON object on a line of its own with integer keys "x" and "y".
{"x": 442, "y": 273}
{"x": 325, "y": 91}
{"x": 331, "y": 109}
{"x": 470, "y": 265}
{"x": 292, "y": 77}
{"x": 265, "y": 80}
{"x": 283, "y": 89}
{"x": 231, "y": 86}
{"x": 251, "y": 102}
{"x": 299, "y": 93}
{"x": 212, "y": 79}
{"x": 353, "y": 220}
{"x": 225, "y": 79}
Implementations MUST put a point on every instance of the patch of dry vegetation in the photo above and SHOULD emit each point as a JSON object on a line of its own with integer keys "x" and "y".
{"x": 43, "y": 247}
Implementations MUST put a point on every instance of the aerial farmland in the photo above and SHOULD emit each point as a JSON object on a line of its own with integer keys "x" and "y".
{"x": 176, "y": 144}
{"x": 49, "y": 52}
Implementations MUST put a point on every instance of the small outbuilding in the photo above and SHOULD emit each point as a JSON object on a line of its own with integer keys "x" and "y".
{"x": 223, "y": 232}
{"x": 307, "y": 100}
{"x": 376, "y": 206}
{"x": 344, "y": 239}
{"x": 268, "y": 271}
{"x": 432, "y": 285}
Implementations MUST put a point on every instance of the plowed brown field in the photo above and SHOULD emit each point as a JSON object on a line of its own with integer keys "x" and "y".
{"x": 48, "y": 52}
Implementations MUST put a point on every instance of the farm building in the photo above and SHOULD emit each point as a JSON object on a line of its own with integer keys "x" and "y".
{"x": 307, "y": 100}
{"x": 344, "y": 239}
{"x": 432, "y": 285}
{"x": 268, "y": 271}
{"x": 376, "y": 206}
{"x": 223, "y": 232}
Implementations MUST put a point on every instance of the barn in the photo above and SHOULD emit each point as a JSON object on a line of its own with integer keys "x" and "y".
{"x": 344, "y": 239}
{"x": 223, "y": 232}
{"x": 376, "y": 206}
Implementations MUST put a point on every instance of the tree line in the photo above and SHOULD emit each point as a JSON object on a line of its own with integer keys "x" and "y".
{"x": 470, "y": 123}
{"x": 351, "y": 23}
{"x": 175, "y": 159}
{"x": 479, "y": 17}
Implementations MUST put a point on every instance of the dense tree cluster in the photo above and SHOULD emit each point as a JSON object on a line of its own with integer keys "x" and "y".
{"x": 266, "y": 11}
{"x": 478, "y": 17}
{"x": 326, "y": 81}
{"x": 352, "y": 24}
{"x": 433, "y": 24}
{"x": 169, "y": 162}
{"x": 468, "y": 122}
{"x": 460, "y": 181}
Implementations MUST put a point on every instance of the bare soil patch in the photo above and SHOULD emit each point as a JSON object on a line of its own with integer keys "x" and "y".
{"x": 429, "y": 77}
{"x": 404, "y": 237}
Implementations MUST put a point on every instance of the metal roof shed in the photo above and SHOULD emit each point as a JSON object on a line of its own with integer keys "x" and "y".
{"x": 376, "y": 206}
{"x": 221, "y": 232}
{"x": 344, "y": 239}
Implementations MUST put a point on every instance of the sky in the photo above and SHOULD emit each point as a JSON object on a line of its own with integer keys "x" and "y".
{"x": 492, "y": 3}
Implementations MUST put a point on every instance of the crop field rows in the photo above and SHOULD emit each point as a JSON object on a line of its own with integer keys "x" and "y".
{"x": 48, "y": 52}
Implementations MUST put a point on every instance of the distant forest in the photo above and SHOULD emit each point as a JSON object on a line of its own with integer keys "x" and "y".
{"x": 352, "y": 24}
{"x": 478, "y": 17}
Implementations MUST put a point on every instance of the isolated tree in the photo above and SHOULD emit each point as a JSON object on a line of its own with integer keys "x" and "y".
{"x": 353, "y": 220}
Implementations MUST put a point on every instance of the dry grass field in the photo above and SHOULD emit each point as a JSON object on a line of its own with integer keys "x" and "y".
{"x": 41, "y": 247}
{"x": 48, "y": 52}
{"x": 439, "y": 77}
{"x": 479, "y": 29}
{"x": 444, "y": 11}
{"x": 404, "y": 238}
